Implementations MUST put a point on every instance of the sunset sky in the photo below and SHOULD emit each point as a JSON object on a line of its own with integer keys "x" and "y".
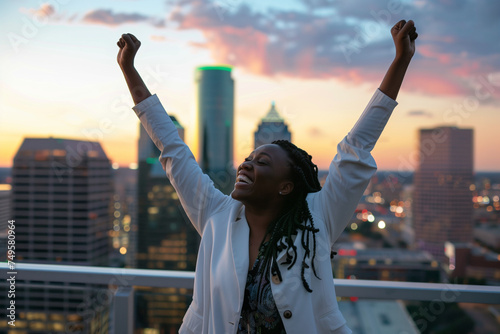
{"x": 319, "y": 60}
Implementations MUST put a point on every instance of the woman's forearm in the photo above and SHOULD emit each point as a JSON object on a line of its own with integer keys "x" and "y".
{"x": 135, "y": 84}
{"x": 404, "y": 35}
{"x": 129, "y": 45}
{"x": 394, "y": 77}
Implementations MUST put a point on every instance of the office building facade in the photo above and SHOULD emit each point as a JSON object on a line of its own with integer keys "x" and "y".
{"x": 442, "y": 203}
{"x": 61, "y": 193}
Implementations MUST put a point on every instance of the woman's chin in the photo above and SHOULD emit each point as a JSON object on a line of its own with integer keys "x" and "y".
{"x": 235, "y": 194}
{"x": 238, "y": 194}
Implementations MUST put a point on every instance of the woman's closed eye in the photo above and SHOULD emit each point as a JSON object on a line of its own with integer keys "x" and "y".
{"x": 259, "y": 161}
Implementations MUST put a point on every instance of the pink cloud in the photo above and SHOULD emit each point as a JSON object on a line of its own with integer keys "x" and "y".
{"x": 433, "y": 83}
{"x": 252, "y": 41}
{"x": 249, "y": 49}
{"x": 158, "y": 38}
{"x": 467, "y": 69}
{"x": 241, "y": 47}
{"x": 45, "y": 10}
{"x": 429, "y": 51}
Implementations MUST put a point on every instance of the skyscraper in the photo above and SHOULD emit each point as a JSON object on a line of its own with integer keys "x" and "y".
{"x": 272, "y": 127}
{"x": 442, "y": 208}
{"x": 166, "y": 239}
{"x": 61, "y": 193}
{"x": 215, "y": 98}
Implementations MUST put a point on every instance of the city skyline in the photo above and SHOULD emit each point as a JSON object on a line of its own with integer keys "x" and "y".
{"x": 60, "y": 77}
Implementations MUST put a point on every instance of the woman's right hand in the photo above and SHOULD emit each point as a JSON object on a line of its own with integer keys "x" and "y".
{"x": 128, "y": 45}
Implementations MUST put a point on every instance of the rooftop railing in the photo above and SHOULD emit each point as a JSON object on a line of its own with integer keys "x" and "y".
{"x": 123, "y": 280}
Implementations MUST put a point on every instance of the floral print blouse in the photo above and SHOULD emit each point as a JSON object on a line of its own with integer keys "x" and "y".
{"x": 259, "y": 314}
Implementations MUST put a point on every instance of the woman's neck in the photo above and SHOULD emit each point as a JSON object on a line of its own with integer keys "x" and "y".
{"x": 259, "y": 218}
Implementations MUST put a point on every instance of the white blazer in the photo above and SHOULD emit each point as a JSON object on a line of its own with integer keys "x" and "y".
{"x": 223, "y": 257}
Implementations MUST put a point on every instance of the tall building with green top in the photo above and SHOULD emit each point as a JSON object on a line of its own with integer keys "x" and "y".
{"x": 215, "y": 111}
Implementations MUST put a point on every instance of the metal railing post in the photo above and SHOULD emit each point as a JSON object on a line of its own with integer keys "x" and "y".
{"x": 123, "y": 311}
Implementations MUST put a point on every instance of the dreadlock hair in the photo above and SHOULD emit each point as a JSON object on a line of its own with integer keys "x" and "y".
{"x": 295, "y": 216}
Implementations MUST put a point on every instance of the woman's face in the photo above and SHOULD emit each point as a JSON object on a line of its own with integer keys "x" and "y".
{"x": 263, "y": 174}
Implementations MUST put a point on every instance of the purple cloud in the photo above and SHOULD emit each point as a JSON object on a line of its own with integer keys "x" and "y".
{"x": 107, "y": 17}
{"x": 350, "y": 40}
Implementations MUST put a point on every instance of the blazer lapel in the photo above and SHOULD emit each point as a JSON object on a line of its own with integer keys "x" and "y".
{"x": 240, "y": 233}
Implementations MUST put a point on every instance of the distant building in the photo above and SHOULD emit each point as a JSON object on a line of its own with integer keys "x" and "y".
{"x": 442, "y": 203}
{"x": 385, "y": 264}
{"x": 61, "y": 193}
{"x": 488, "y": 235}
{"x": 272, "y": 127}
{"x": 215, "y": 98}
{"x": 166, "y": 239}
{"x": 470, "y": 261}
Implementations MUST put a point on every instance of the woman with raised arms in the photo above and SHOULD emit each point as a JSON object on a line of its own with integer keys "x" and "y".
{"x": 264, "y": 259}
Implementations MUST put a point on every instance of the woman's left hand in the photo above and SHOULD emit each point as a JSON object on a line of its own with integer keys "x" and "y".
{"x": 404, "y": 35}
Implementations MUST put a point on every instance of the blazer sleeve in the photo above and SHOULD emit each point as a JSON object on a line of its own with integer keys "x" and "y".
{"x": 196, "y": 191}
{"x": 352, "y": 167}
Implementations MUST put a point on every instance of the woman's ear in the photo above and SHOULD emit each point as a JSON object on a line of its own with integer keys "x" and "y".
{"x": 286, "y": 188}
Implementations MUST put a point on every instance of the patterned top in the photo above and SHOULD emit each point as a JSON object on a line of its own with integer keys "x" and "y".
{"x": 259, "y": 314}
